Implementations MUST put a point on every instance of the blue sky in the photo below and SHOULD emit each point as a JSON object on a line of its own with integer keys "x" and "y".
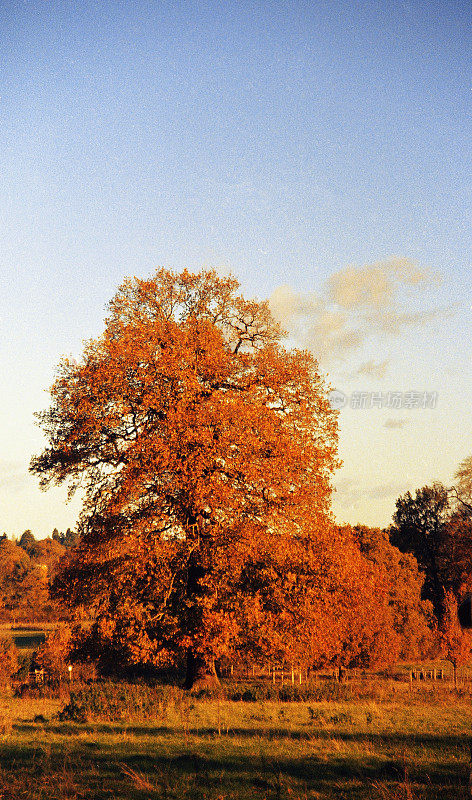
{"x": 286, "y": 141}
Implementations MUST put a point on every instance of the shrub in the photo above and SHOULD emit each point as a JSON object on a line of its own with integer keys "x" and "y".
{"x": 74, "y": 710}
{"x": 260, "y": 691}
{"x": 117, "y": 702}
{"x": 314, "y": 691}
{"x": 121, "y": 701}
{"x": 50, "y": 690}
{"x": 250, "y": 693}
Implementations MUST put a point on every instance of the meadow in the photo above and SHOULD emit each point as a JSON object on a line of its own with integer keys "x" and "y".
{"x": 414, "y": 747}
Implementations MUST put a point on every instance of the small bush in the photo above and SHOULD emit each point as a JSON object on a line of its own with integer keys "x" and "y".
{"x": 122, "y": 701}
{"x": 250, "y": 693}
{"x": 50, "y": 690}
{"x": 215, "y": 693}
{"x": 117, "y": 702}
{"x": 315, "y": 692}
{"x": 74, "y": 710}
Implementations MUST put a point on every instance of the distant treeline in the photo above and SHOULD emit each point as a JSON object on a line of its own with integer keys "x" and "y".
{"x": 27, "y": 566}
{"x": 394, "y": 599}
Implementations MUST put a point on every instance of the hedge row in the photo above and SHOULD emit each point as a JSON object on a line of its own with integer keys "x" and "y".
{"x": 133, "y": 702}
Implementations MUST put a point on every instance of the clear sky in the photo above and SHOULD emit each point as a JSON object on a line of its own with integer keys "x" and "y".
{"x": 319, "y": 150}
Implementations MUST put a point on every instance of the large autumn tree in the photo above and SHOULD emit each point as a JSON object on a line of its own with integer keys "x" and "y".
{"x": 201, "y": 446}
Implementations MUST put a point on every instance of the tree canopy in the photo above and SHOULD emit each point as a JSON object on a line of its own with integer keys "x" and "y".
{"x": 420, "y": 525}
{"x": 27, "y": 541}
{"x": 402, "y": 620}
{"x": 463, "y": 488}
{"x": 24, "y": 577}
{"x": 202, "y": 447}
{"x": 437, "y": 529}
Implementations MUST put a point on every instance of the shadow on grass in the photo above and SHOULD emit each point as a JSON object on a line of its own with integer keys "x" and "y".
{"x": 449, "y": 741}
{"x": 211, "y": 769}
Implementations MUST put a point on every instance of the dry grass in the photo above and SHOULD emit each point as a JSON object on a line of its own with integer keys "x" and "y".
{"x": 42, "y": 783}
{"x": 239, "y": 751}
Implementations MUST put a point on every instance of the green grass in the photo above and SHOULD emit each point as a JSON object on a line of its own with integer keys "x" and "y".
{"x": 202, "y": 750}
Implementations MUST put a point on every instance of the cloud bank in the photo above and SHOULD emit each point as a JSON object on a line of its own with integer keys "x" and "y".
{"x": 355, "y": 304}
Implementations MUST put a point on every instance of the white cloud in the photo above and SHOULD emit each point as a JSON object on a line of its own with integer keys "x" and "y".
{"x": 371, "y": 369}
{"x": 393, "y": 423}
{"x": 356, "y": 303}
{"x": 375, "y": 285}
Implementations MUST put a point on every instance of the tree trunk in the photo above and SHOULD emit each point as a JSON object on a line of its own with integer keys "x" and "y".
{"x": 201, "y": 672}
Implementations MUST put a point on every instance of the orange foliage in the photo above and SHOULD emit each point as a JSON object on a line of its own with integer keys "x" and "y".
{"x": 205, "y": 450}
{"x": 455, "y": 643}
{"x": 8, "y": 660}
{"x": 53, "y": 655}
{"x": 47, "y": 553}
{"x": 404, "y": 622}
{"x": 24, "y": 580}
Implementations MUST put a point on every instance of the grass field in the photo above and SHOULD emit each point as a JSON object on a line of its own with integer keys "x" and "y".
{"x": 245, "y": 751}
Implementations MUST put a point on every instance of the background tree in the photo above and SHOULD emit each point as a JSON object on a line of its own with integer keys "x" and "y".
{"x": 306, "y": 602}
{"x": 457, "y": 551}
{"x": 53, "y": 654}
{"x": 420, "y": 525}
{"x": 437, "y": 529}
{"x": 71, "y": 537}
{"x": 31, "y": 601}
{"x": 366, "y": 637}
{"x": 454, "y": 642}
{"x": 67, "y": 539}
{"x": 462, "y": 491}
{"x": 47, "y": 553}
{"x": 27, "y": 541}
{"x": 408, "y": 617}
{"x": 15, "y": 565}
{"x": 24, "y": 580}
{"x": 197, "y": 437}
